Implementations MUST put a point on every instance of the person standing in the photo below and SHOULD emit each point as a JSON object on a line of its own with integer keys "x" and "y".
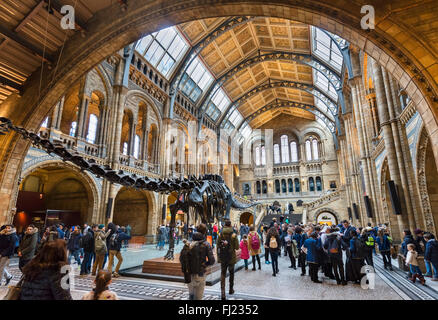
{"x": 411, "y": 261}
{"x": 115, "y": 245}
{"x": 254, "y": 247}
{"x": 28, "y": 246}
{"x": 8, "y": 239}
{"x": 73, "y": 245}
{"x": 88, "y": 247}
{"x": 227, "y": 244}
{"x": 311, "y": 247}
{"x": 266, "y": 247}
{"x": 273, "y": 242}
{"x": 357, "y": 251}
{"x": 100, "y": 248}
{"x": 384, "y": 243}
{"x": 431, "y": 255}
{"x": 334, "y": 245}
{"x": 244, "y": 251}
{"x": 370, "y": 245}
{"x": 300, "y": 237}
{"x": 291, "y": 247}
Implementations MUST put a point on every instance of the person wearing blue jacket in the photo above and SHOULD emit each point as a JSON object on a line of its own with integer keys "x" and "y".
{"x": 300, "y": 237}
{"x": 312, "y": 246}
{"x": 384, "y": 242}
{"x": 431, "y": 255}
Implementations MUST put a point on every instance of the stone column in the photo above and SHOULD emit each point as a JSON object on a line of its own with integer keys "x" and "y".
{"x": 116, "y": 126}
{"x": 82, "y": 117}
{"x": 385, "y": 124}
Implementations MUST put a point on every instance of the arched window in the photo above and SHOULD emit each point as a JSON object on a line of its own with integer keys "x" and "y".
{"x": 297, "y": 185}
{"x": 263, "y": 156}
{"x": 125, "y": 148}
{"x": 276, "y": 154}
{"x": 311, "y": 184}
{"x": 283, "y": 186}
{"x": 277, "y": 186}
{"x": 284, "y": 149}
{"x": 308, "y": 151}
{"x": 137, "y": 147}
{"x": 92, "y": 128}
{"x": 264, "y": 187}
{"x": 259, "y": 190}
{"x": 294, "y": 151}
{"x": 45, "y": 123}
{"x": 73, "y": 129}
{"x": 257, "y": 156}
{"x": 315, "y": 149}
{"x": 318, "y": 184}
{"x": 290, "y": 185}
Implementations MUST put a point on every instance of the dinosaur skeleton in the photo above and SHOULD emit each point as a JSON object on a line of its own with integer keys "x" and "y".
{"x": 206, "y": 197}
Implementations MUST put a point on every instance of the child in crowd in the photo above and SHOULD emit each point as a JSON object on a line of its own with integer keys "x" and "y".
{"x": 244, "y": 253}
{"x": 101, "y": 292}
{"x": 411, "y": 261}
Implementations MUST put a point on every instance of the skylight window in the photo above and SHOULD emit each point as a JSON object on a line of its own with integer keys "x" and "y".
{"x": 246, "y": 130}
{"x": 326, "y": 49}
{"x": 196, "y": 79}
{"x": 323, "y": 84}
{"x": 163, "y": 49}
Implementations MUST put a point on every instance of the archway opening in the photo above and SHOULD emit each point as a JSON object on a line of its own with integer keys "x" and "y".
{"x": 247, "y": 218}
{"x": 131, "y": 208}
{"x": 52, "y": 195}
{"x": 327, "y": 218}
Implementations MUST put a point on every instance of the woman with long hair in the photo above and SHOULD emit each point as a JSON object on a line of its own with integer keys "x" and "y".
{"x": 273, "y": 243}
{"x": 45, "y": 277}
{"x": 102, "y": 291}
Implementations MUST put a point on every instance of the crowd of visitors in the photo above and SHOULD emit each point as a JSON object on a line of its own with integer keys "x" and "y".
{"x": 340, "y": 252}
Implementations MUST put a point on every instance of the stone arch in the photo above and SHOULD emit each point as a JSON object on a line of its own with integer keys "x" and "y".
{"x": 329, "y": 210}
{"x": 136, "y": 208}
{"x": 246, "y": 217}
{"x": 139, "y": 95}
{"x": 422, "y": 178}
{"x": 390, "y": 43}
{"x": 91, "y": 185}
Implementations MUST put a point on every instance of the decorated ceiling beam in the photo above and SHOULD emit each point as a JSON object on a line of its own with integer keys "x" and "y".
{"x": 290, "y": 104}
{"x": 306, "y": 59}
{"x": 194, "y": 51}
{"x": 309, "y": 88}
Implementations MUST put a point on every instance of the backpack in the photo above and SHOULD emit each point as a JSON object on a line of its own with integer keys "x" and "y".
{"x": 113, "y": 239}
{"x": 255, "y": 242}
{"x": 224, "y": 249}
{"x": 191, "y": 259}
{"x": 361, "y": 248}
{"x": 334, "y": 247}
{"x": 273, "y": 243}
{"x": 99, "y": 244}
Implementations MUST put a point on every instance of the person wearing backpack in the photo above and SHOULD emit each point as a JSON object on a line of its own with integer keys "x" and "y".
{"x": 195, "y": 257}
{"x": 116, "y": 238}
{"x": 226, "y": 245}
{"x": 368, "y": 238}
{"x": 334, "y": 246}
{"x": 273, "y": 243}
{"x": 100, "y": 248}
{"x": 254, "y": 247}
{"x": 384, "y": 242}
{"x": 311, "y": 247}
{"x": 358, "y": 251}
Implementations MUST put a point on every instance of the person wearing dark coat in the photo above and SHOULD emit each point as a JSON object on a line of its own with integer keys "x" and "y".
{"x": 431, "y": 255}
{"x": 74, "y": 246}
{"x": 88, "y": 246}
{"x": 28, "y": 246}
{"x": 115, "y": 241}
{"x": 357, "y": 258}
{"x": 274, "y": 251}
{"x": 45, "y": 277}
{"x": 300, "y": 237}
{"x": 8, "y": 240}
{"x": 334, "y": 246}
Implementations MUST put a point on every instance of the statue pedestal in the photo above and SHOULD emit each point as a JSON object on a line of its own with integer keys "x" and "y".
{"x": 160, "y": 269}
